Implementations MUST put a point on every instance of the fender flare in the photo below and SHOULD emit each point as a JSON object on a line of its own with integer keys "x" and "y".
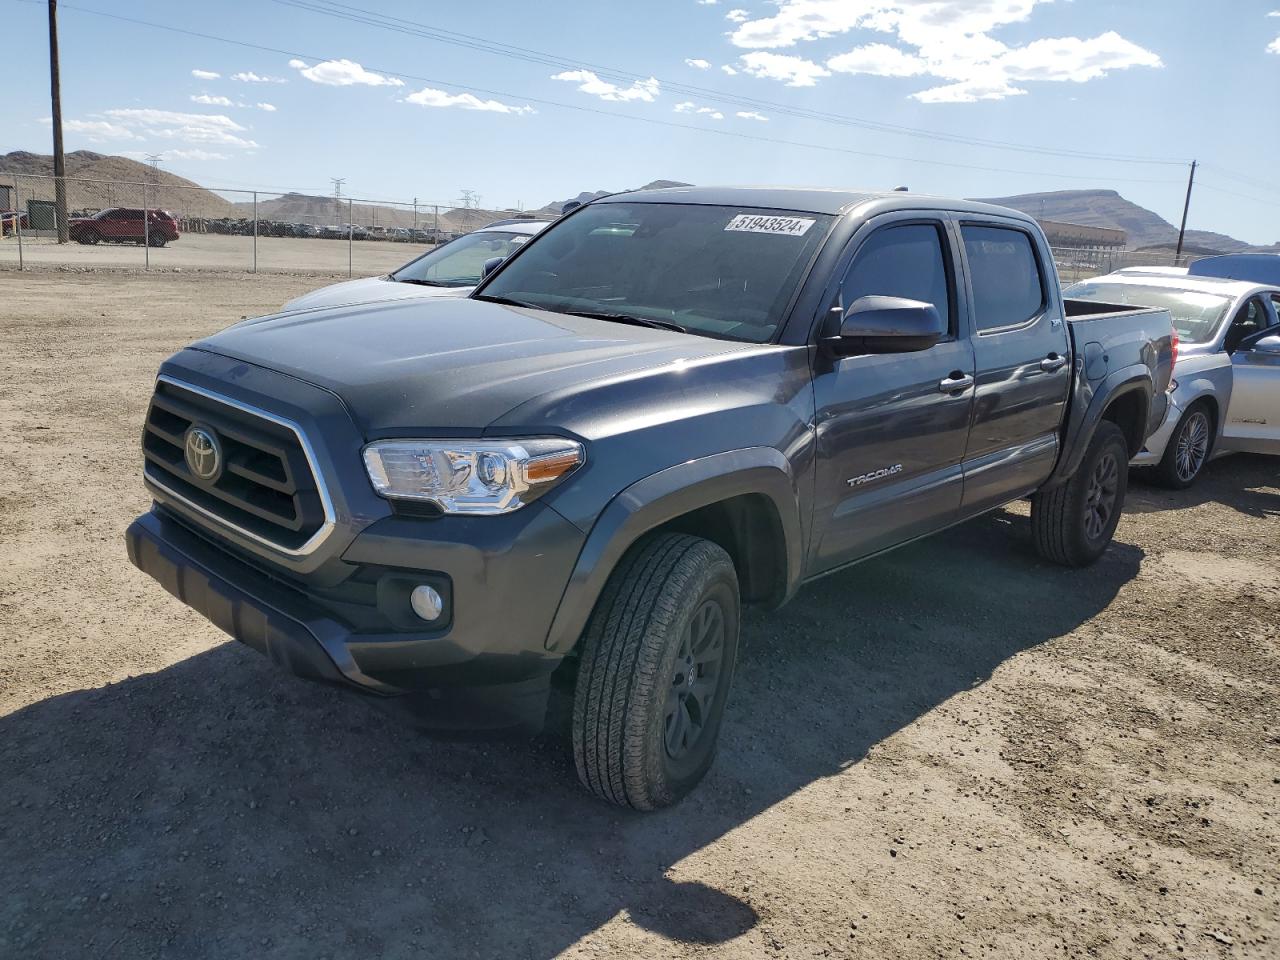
{"x": 652, "y": 501}
{"x": 1136, "y": 378}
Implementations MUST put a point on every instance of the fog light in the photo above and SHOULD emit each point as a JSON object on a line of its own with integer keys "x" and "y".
{"x": 426, "y": 602}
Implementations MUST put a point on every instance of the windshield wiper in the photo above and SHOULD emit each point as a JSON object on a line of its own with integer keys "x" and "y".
{"x": 509, "y": 301}
{"x": 421, "y": 283}
{"x": 627, "y": 318}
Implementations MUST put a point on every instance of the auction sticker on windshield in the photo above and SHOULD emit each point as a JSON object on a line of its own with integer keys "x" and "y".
{"x": 754, "y": 223}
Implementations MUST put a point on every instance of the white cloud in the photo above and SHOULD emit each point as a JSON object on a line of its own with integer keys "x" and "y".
{"x": 690, "y": 107}
{"x": 698, "y": 64}
{"x": 707, "y": 3}
{"x": 793, "y": 71}
{"x": 184, "y": 127}
{"x": 248, "y": 76}
{"x": 269, "y": 107}
{"x": 751, "y": 115}
{"x": 95, "y": 131}
{"x": 878, "y": 60}
{"x": 194, "y": 154}
{"x": 205, "y": 75}
{"x": 1274, "y": 46}
{"x": 737, "y": 16}
{"x": 343, "y": 73}
{"x": 209, "y": 101}
{"x": 729, "y": 70}
{"x": 588, "y": 82}
{"x": 429, "y": 97}
{"x": 947, "y": 39}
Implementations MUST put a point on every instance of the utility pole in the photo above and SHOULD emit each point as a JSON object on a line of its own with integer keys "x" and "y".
{"x": 1182, "y": 230}
{"x": 59, "y": 160}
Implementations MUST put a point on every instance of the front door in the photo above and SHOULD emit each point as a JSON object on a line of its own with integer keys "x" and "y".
{"x": 892, "y": 427}
{"x": 1253, "y": 413}
{"x": 1022, "y": 352}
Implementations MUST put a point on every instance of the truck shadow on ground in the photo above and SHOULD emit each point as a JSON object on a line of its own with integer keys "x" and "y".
{"x": 217, "y": 808}
{"x": 1233, "y": 481}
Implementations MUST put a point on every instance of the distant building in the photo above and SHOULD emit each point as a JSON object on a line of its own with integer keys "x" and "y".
{"x": 1078, "y": 235}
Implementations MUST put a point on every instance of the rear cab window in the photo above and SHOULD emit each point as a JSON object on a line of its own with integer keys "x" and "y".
{"x": 1004, "y": 270}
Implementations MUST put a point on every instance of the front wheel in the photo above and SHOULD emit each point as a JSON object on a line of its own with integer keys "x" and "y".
{"x": 1073, "y": 523}
{"x": 657, "y": 664}
{"x": 1188, "y": 449}
{"x": 156, "y": 240}
{"x": 89, "y": 237}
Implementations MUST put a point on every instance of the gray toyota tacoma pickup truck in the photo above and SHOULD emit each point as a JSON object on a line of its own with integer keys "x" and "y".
{"x": 666, "y": 405}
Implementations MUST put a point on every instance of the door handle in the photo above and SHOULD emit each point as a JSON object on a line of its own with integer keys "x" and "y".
{"x": 955, "y": 383}
{"x": 1052, "y": 362}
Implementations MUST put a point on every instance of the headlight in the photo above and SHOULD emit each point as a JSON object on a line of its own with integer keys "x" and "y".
{"x": 471, "y": 476}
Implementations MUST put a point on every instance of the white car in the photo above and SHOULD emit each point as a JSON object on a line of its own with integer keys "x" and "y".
{"x": 1226, "y": 382}
{"x": 451, "y": 270}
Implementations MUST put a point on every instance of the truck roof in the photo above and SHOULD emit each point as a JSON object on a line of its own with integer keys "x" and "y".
{"x": 808, "y": 199}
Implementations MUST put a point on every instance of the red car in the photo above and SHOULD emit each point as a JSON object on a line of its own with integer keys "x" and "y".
{"x": 125, "y": 225}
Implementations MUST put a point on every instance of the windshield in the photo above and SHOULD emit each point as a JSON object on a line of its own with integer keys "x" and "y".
{"x": 1196, "y": 314}
{"x": 727, "y": 272}
{"x": 460, "y": 263}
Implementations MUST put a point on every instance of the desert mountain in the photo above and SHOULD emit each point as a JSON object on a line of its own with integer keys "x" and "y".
{"x": 120, "y": 181}
{"x": 1106, "y": 208}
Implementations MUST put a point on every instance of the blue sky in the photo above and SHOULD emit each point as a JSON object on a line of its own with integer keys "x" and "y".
{"x": 603, "y": 95}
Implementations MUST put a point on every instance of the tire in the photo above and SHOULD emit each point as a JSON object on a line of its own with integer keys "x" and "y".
{"x": 1073, "y": 523}
{"x": 1188, "y": 449}
{"x": 156, "y": 240}
{"x": 657, "y": 664}
{"x": 89, "y": 236}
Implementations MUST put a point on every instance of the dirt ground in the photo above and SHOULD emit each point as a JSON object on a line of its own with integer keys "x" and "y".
{"x": 219, "y": 252}
{"x": 954, "y": 750}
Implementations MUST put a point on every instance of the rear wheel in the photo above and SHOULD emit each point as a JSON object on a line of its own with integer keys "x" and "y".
{"x": 89, "y": 236}
{"x": 1188, "y": 449}
{"x": 156, "y": 240}
{"x": 1073, "y": 523}
{"x": 657, "y": 664}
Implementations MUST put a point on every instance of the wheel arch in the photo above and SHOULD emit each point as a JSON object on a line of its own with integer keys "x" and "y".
{"x": 1123, "y": 398}
{"x": 744, "y": 500}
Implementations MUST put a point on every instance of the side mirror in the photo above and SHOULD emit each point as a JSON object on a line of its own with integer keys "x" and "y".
{"x": 888, "y": 325}
{"x": 490, "y": 265}
{"x": 1269, "y": 345}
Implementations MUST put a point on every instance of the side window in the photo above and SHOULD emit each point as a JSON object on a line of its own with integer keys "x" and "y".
{"x": 1249, "y": 319}
{"x": 903, "y": 261}
{"x": 1008, "y": 288}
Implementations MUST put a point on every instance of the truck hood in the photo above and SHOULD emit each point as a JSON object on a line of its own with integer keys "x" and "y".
{"x": 427, "y": 367}
{"x": 369, "y": 290}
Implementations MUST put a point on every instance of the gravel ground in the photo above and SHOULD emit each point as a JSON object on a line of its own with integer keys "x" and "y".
{"x": 956, "y": 749}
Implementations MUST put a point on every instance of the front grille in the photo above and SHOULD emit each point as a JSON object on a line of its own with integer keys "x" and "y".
{"x": 265, "y": 486}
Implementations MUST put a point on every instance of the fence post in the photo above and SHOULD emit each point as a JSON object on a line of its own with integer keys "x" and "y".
{"x": 415, "y": 218}
{"x": 17, "y": 223}
{"x": 350, "y": 235}
{"x": 435, "y": 240}
{"x": 255, "y": 231}
{"x": 146, "y": 230}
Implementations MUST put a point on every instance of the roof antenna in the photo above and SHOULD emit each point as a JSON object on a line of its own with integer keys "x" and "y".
{"x": 899, "y": 189}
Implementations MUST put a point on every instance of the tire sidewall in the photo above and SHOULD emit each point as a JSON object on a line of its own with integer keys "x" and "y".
{"x": 1106, "y": 440}
{"x": 671, "y": 779}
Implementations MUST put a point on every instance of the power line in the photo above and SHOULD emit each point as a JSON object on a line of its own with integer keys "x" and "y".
{"x": 352, "y": 14}
{"x": 614, "y": 115}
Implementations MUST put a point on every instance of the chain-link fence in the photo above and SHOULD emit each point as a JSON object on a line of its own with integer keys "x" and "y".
{"x": 159, "y": 225}
{"x": 190, "y": 227}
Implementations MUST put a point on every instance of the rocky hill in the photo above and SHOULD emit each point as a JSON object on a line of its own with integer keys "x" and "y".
{"x": 1106, "y": 208}
{"x": 119, "y": 181}
{"x": 553, "y": 208}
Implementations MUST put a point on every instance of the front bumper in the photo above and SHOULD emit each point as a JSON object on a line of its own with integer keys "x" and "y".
{"x": 489, "y": 650}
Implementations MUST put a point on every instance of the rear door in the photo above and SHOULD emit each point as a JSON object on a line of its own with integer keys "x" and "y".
{"x": 1022, "y": 355}
{"x": 1253, "y": 413}
{"x": 891, "y": 428}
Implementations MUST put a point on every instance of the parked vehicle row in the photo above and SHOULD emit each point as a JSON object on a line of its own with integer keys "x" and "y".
{"x": 664, "y": 405}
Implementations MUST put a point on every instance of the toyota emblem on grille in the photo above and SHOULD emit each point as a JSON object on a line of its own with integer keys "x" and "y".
{"x": 203, "y": 453}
